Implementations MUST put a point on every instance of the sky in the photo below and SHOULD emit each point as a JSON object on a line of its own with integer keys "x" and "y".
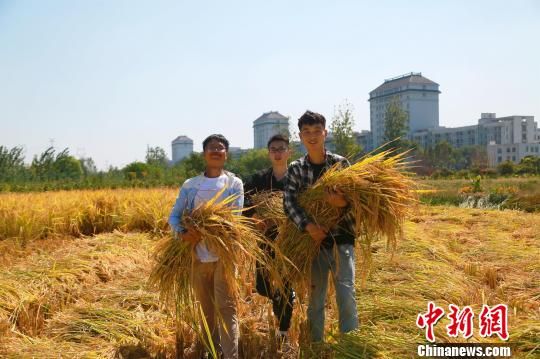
{"x": 109, "y": 78}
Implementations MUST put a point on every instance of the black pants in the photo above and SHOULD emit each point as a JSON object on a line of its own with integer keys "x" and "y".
{"x": 282, "y": 303}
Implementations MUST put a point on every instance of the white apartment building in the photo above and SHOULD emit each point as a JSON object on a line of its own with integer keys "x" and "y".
{"x": 418, "y": 96}
{"x": 267, "y": 125}
{"x": 182, "y": 146}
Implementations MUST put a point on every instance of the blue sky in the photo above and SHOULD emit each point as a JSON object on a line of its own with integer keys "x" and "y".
{"x": 108, "y": 78}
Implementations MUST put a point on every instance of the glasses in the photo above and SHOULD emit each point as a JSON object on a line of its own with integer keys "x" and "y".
{"x": 278, "y": 150}
{"x": 216, "y": 149}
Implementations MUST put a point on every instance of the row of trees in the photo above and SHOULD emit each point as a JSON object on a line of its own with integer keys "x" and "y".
{"x": 49, "y": 165}
{"x": 157, "y": 166}
{"x": 61, "y": 170}
{"x": 53, "y": 170}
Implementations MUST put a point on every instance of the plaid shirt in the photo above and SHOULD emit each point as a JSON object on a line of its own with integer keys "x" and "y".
{"x": 300, "y": 176}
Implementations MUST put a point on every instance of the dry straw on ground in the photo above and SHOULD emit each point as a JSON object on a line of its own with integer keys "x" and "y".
{"x": 448, "y": 255}
{"x": 32, "y": 291}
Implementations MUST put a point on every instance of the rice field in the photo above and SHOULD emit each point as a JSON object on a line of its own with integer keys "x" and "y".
{"x": 521, "y": 193}
{"x": 74, "y": 268}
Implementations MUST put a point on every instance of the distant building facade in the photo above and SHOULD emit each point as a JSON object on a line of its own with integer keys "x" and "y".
{"x": 182, "y": 147}
{"x": 418, "y": 96}
{"x": 363, "y": 139}
{"x": 235, "y": 152}
{"x": 507, "y": 130}
{"x": 508, "y": 138}
{"x": 514, "y": 152}
{"x": 456, "y": 136}
{"x": 490, "y": 129}
{"x": 267, "y": 125}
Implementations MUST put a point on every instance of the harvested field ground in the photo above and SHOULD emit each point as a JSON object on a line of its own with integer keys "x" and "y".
{"x": 86, "y": 297}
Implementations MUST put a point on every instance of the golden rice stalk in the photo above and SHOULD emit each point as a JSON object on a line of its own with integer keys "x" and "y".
{"x": 379, "y": 193}
{"x": 29, "y": 216}
{"x": 298, "y": 247}
{"x": 112, "y": 324}
{"x": 171, "y": 273}
{"x": 101, "y": 323}
{"x": 269, "y": 205}
{"x": 46, "y": 282}
{"x": 233, "y": 238}
{"x": 228, "y": 234}
{"x": 22, "y": 346}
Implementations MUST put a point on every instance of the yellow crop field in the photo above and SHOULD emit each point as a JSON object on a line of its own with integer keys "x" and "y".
{"x": 30, "y": 216}
{"x": 74, "y": 268}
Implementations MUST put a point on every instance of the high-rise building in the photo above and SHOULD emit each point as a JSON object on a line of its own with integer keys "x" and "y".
{"x": 269, "y": 124}
{"x": 182, "y": 146}
{"x": 417, "y": 95}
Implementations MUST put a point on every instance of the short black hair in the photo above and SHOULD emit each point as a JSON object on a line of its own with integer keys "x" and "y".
{"x": 311, "y": 118}
{"x": 278, "y": 137}
{"x": 218, "y": 137}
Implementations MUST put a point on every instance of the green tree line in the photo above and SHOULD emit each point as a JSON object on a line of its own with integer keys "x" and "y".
{"x": 52, "y": 170}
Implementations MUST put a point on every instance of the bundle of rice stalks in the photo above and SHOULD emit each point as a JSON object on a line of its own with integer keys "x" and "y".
{"x": 171, "y": 276}
{"x": 269, "y": 206}
{"x": 298, "y": 246}
{"x": 13, "y": 300}
{"x": 230, "y": 236}
{"x": 379, "y": 194}
{"x": 172, "y": 271}
{"x": 233, "y": 238}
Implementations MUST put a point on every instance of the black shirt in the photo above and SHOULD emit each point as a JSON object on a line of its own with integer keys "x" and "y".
{"x": 318, "y": 170}
{"x": 263, "y": 180}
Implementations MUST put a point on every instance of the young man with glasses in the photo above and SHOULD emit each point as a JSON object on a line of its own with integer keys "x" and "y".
{"x": 336, "y": 255}
{"x": 211, "y": 289}
{"x": 271, "y": 179}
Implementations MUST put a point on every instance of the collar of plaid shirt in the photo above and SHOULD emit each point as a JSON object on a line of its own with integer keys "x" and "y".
{"x": 308, "y": 179}
{"x": 307, "y": 167}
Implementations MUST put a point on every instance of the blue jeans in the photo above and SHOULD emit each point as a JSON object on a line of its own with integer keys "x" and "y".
{"x": 342, "y": 269}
